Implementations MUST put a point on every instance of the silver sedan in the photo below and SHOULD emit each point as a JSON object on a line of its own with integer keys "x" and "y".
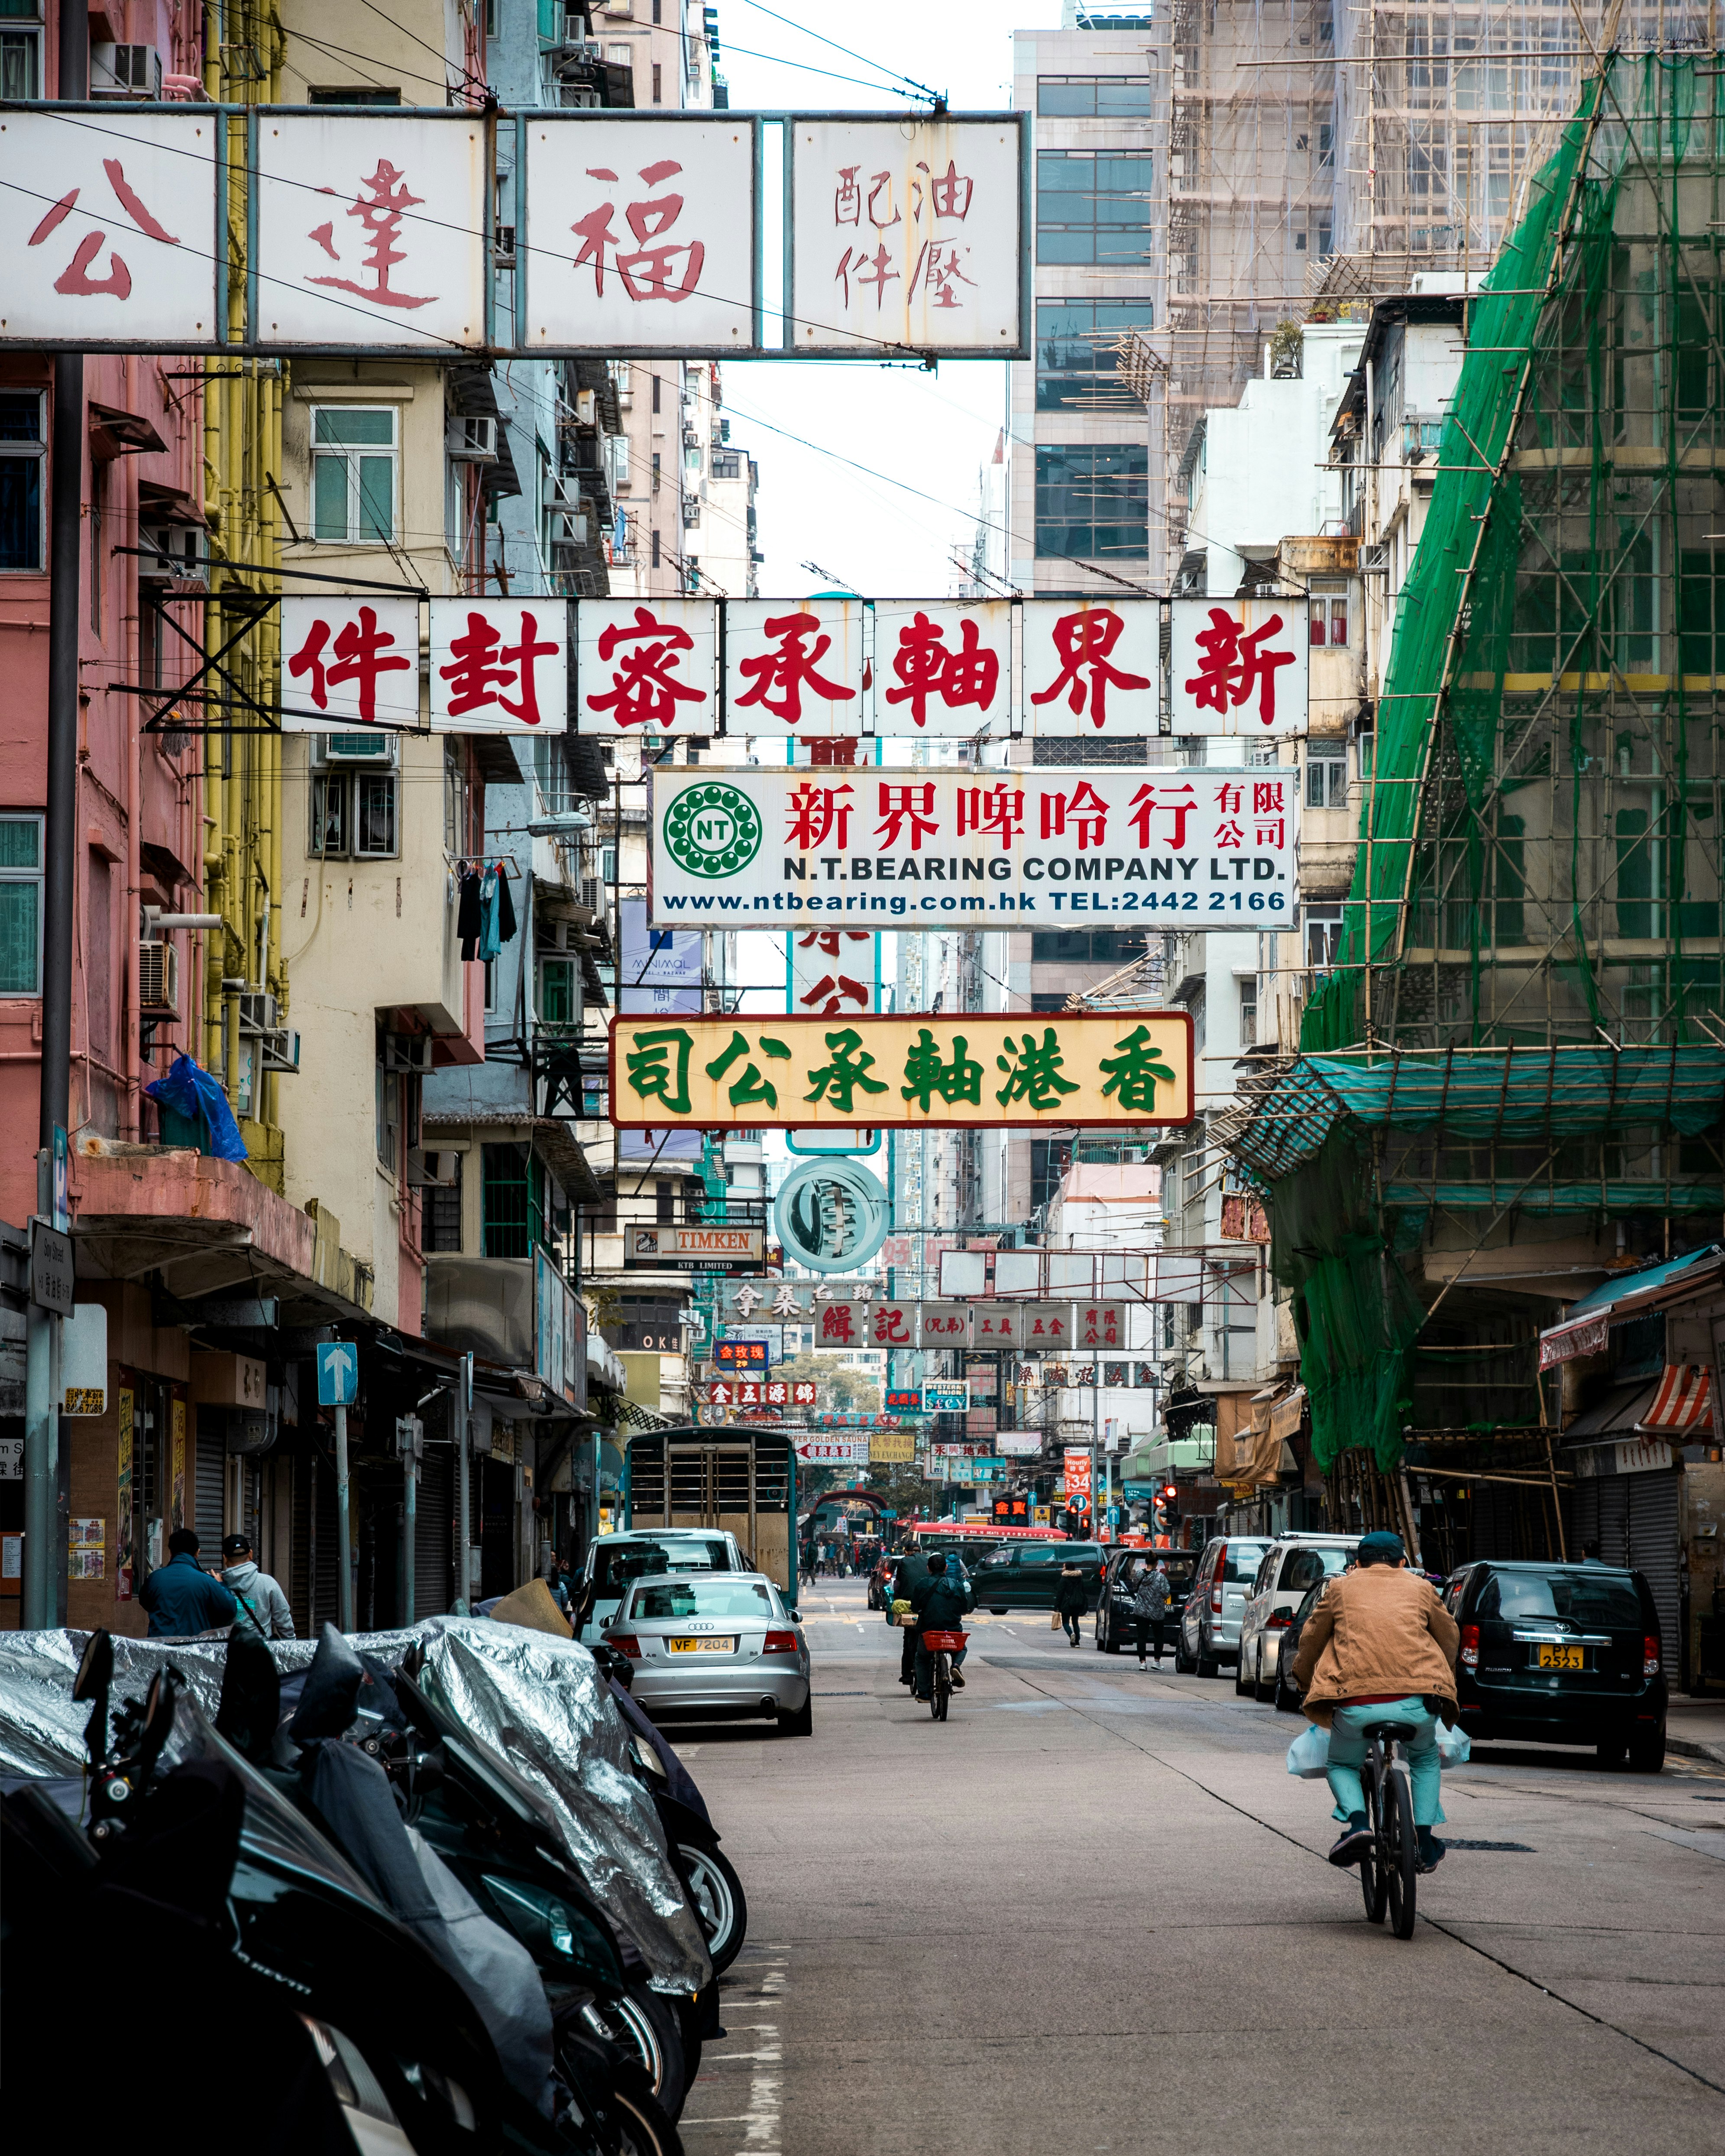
{"x": 717, "y": 1644}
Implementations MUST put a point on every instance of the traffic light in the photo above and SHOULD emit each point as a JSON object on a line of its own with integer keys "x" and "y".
{"x": 1168, "y": 1500}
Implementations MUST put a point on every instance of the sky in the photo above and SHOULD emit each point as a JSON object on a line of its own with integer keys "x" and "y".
{"x": 933, "y": 432}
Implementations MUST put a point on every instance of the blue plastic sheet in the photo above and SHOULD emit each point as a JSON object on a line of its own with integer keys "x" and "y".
{"x": 192, "y": 1092}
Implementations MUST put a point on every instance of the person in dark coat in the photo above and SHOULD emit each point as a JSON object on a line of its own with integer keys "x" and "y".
{"x": 940, "y": 1599}
{"x": 1071, "y": 1598}
{"x": 1151, "y": 1593}
{"x": 180, "y": 1595}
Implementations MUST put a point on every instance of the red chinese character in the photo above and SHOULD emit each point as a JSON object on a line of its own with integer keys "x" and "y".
{"x": 901, "y": 803}
{"x": 1270, "y": 831}
{"x": 75, "y": 280}
{"x": 891, "y": 1328}
{"x": 938, "y": 267}
{"x": 835, "y": 1325}
{"x": 1228, "y": 834}
{"x": 817, "y": 812}
{"x": 826, "y": 941}
{"x": 381, "y": 217}
{"x": 1228, "y": 797}
{"x": 647, "y": 273}
{"x": 357, "y": 648}
{"x": 880, "y": 183}
{"x": 1084, "y": 641}
{"x": 1233, "y": 665}
{"x": 788, "y": 669}
{"x": 642, "y": 692}
{"x": 1084, "y": 809}
{"x": 832, "y": 993}
{"x": 1144, "y": 805}
{"x": 480, "y": 669}
{"x": 858, "y": 262}
{"x": 926, "y": 666}
{"x": 991, "y": 811}
{"x": 847, "y": 196}
{"x": 948, "y": 200}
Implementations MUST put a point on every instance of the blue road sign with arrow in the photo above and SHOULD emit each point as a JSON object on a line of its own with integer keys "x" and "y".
{"x": 337, "y": 1373}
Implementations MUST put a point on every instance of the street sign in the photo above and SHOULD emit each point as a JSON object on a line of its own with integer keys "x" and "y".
{"x": 53, "y": 1274}
{"x": 1240, "y": 667}
{"x": 61, "y": 1201}
{"x": 965, "y": 1070}
{"x": 834, "y": 1451}
{"x": 337, "y": 1373}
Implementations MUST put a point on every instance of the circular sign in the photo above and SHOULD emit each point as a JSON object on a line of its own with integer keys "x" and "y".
{"x": 831, "y": 1215}
{"x": 712, "y": 830}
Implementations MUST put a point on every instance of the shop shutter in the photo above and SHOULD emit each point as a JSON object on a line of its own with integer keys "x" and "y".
{"x": 210, "y": 1472}
{"x": 1651, "y": 1520}
{"x": 433, "y": 1533}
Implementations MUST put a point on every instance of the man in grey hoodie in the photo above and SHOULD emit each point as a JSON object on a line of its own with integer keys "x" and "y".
{"x": 260, "y": 1598}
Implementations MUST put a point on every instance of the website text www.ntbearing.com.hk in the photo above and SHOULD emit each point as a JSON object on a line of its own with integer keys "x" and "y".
{"x": 1231, "y": 885}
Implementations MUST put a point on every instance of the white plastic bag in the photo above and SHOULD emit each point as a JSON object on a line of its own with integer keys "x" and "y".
{"x": 1309, "y": 1754}
{"x": 1455, "y": 1748}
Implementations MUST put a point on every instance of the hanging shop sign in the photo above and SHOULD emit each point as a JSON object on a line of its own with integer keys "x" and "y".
{"x": 942, "y": 1397}
{"x": 967, "y": 1070}
{"x": 373, "y": 231}
{"x": 831, "y": 1215}
{"x": 652, "y": 664}
{"x": 1240, "y": 667}
{"x": 892, "y": 1448}
{"x": 950, "y": 849}
{"x": 834, "y": 1451}
{"x": 672, "y": 1245}
{"x": 757, "y": 1392}
{"x": 350, "y": 663}
{"x": 1021, "y": 1328}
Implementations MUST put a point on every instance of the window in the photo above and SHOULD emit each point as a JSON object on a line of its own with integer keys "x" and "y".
{"x": 351, "y": 93}
{"x": 551, "y": 776}
{"x": 665, "y": 1204}
{"x": 353, "y": 814}
{"x": 1092, "y": 503}
{"x": 458, "y": 809}
{"x": 441, "y": 1221}
{"x": 1309, "y": 1568}
{"x": 1093, "y": 96}
{"x": 607, "y": 863}
{"x": 1243, "y": 1560}
{"x": 657, "y": 84}
{"x": 1327, "y": 782}
{"x": 20, "y": 905}
{"x": 390, "y": 1113}
{"x": 704, "y": 1598}
{"x": 23, "y": 448}
{"x": 1076, "y": 345}
{"x": 352, "y": 472}
{"x": 1328, "y": 617}
{"x": 652, "y": 551}
{"x": 1248, "y": 1013}
{"x": 507, "y": 1201}
{"x": 559, "y": 991}
{"x": 1323, "y": 937}
{"x": 20, "y": 49}
{"x": 1093, "y": 205}
{"x": 1080, "y": 947}
{"x": 1596, "y": 1599}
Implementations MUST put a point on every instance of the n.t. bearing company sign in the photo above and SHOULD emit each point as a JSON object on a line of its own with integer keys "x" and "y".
{"x": 955, "y": 849}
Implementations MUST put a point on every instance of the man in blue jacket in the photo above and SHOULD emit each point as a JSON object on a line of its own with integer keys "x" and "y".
{"x": 940, "y": 1599}
{"x": 180, "y": 1595}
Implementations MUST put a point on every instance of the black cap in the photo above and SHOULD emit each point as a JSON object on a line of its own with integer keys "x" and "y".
{"x": 234, "y": 1546}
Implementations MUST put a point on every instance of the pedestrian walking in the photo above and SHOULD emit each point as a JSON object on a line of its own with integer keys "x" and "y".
{"x": 1151, "y": 1593}
{"x": 180, "y": 1595}
{"x": 1071, "y": 1598}
{"x": 261, "y": 1601}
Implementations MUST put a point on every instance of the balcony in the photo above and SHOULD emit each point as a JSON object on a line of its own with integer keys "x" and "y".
{"x": 519, "y": 1313}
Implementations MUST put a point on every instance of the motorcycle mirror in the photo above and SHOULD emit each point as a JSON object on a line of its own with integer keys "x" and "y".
{"x": 95, "y": 1667}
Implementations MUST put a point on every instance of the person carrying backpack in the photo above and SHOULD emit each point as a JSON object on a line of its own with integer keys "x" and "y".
{"x": 261, "y": 1601}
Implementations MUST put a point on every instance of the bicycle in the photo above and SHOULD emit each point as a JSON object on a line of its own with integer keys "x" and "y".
{"x": 941, "y": 1647}
{"x": 1386, "y": 1871}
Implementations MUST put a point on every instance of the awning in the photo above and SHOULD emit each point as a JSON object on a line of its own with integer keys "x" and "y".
{"x": 1631, "y": 1295}
{"x": 1683, "y": 1402}
{"x": 1619, "y": 1414}
{"x": 1287, "y": 1413}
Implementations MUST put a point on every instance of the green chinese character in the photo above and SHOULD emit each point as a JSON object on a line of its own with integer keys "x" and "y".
{"x": 1032, "y": 1074}
{"x": 1136, "y": 1065}
{"x": 839, "y": 1079}
{"x": 751, "y": 1086}
{"x": 926, "y": 1074}
{"x": 649, "y": 1070}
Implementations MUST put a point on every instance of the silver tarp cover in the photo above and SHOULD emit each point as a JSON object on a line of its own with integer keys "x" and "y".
{"x": 538, "y": 1702}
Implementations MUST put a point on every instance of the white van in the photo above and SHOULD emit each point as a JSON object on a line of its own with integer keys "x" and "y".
{"x": 613, "y": 1561}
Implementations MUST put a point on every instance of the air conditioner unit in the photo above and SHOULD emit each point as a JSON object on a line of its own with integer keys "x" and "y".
{"x": 257, "y": 1013}
{"x": 170, "y": 553}
{"x": 408, "y": 1052}
{"x": 124, "y": 71}
{"x": 503, "y": 247}
{"x": 470, "y": 438}
{"x": 281, "y": 1049}
{"x": 587, "y": 407}
{"x": 379, "y": 747}
{"x": 581, "y": 95}
{"x": 432, "y": 1171}
{"x": 158, "y": 979}
{"x": 568, "y": 528}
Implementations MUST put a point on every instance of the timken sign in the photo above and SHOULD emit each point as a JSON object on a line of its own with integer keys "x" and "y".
{"x": 967, "y": 1070}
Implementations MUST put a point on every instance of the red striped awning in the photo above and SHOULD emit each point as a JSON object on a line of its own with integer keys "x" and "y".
{"x": 1683, "y": 1400}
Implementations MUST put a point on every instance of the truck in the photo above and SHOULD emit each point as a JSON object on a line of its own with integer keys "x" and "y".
{"x": 740, "y": 1478}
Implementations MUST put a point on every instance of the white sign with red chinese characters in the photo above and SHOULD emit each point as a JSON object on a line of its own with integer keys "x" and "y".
{"x": 499, "y": 666}
{"x": 941, "y": 669}
{"x": 834, "y": 971}
{"x": 371, "y": 230}
{"x": 795, "y": 666}
{"x": 112, "y": 221}
{"x": 1090, "y": 666}
{"x": 646, "y": 663}
{"x": 349, "y": 662}
{"x": 933, "y": 850}
{"x": 907, "y": 233}
{"x": 642, "y": 232}
{"x": 1240, "y": 667}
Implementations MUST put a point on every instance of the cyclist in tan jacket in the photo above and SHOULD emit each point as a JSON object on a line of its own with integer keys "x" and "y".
{"x": 1379, "y": 1647}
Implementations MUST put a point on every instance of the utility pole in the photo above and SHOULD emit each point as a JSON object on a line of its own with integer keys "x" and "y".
{"x": 344, "y": 1564}
{"x": 463, "y": 1488}
{"x": 43, "y": 1564}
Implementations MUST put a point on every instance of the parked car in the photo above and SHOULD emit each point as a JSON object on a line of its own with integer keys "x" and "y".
{"x": 1210, "y": 1625}
{"x": 715, "y": 1645}
{"x": 1025, "y": 1575}
{"x": 1561, "y": 1654}
{"x": 1293, "y": 1564}
{"x": 1287, "y": 1693}
{"x": 1115, "y": 1622}
{"x": 612, "y": 1561}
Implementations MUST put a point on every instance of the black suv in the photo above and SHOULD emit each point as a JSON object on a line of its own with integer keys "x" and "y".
{"x": 1115, "y": 1622}
{"x": 1561, "y": 1654}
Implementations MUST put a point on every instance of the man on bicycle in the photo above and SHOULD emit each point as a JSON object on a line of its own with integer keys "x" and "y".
{"x": 1379, "y": 1647}
{"x": 939, "y": 1602}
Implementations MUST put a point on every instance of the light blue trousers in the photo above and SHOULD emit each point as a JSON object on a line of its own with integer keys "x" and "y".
{"x": 1348, "y": 1753}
